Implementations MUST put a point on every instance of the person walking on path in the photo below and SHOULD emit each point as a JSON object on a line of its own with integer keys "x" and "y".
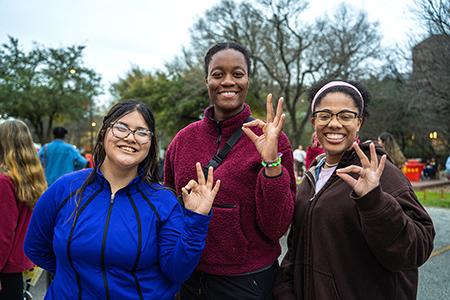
{"x": 114, "y": 232}
{"x": 299, "y": 158}
{"x": 59, "y": 157}
{"x": 255, "y": 204}
{"x": 359, "y": 231}
{"x": 22, "y": 182}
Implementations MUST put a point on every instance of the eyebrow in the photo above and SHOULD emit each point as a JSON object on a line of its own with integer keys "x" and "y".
{"x": 330, "y": 111}
{"x": 221, "y": 68}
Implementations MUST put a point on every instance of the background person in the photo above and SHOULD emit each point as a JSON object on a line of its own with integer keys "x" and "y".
{"x": 359, "y": 231}
{"x": 313, "y": 151}
{"x": 22, "y": 182}
{"x": 255, "y": 204}
{"x": 113, "y": 232}
{"x": 299, "y": 158}
{"x": 447, "y": 167}
{"x": 59, "y": 157}
{"x": 387, "y": 141}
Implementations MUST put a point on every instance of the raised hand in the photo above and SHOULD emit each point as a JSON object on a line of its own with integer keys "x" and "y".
{"x": 267, "y": 143}
{"x": 199, "y": 196}
{"x": 369, "y": 172}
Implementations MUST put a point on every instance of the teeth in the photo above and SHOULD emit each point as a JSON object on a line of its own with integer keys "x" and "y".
{"x": 335, "y": 136}
{"x": 129, "y": 149}
{"x": 228, "y": 94}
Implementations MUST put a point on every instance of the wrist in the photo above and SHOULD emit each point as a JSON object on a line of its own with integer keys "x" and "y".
{"x": 272, "y": 163}
{"x": 273, "y": 171}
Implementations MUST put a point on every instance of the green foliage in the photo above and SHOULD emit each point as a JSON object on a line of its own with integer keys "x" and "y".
{"x": 45, "y": 85}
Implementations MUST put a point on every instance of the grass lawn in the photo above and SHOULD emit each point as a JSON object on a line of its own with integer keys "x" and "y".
{"x": 439, "y": 197}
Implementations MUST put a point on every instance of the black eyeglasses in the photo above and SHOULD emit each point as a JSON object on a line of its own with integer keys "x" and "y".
{"x": 141, "y": 135}
{"x": 345, "y": 117}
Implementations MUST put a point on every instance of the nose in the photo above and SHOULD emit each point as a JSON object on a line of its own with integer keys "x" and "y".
{"x": 130, "y": 137}
{"x": 228, "y": 80}
{"x": 334, "y": 122}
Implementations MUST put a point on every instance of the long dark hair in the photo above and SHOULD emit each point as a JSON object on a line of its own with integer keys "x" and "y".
{"x": 149, "y": 166}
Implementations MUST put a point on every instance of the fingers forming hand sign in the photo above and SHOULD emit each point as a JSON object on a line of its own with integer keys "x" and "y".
{"x": 267, "y": 143}
{"x": 369, "y": 172}
{"x": 198, "y": 196}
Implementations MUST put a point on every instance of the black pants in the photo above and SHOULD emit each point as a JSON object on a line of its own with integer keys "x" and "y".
{"x": 256, "y": 286}
{"x": 12, "y": 286}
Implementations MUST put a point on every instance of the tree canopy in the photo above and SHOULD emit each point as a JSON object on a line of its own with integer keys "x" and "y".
{"x": 45, "y": 85}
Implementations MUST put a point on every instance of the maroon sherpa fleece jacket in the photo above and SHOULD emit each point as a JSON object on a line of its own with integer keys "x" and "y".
{"x": 251, "y": 211}
{"x": 14, "y": 219}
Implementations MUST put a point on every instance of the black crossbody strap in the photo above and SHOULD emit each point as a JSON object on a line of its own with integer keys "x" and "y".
{"x": 217, "y": 159}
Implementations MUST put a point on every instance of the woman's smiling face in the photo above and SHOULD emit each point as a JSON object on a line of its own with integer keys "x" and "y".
{"x": 126, "y": 153}
{"x": 334, "y": 137}
{"x": 227, "y": 82}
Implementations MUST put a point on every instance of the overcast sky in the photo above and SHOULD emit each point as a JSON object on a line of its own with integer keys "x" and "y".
{"x": 149, "y": 33}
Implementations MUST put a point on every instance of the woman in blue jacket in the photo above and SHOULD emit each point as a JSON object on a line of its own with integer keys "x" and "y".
{"x": 113, "y": 232}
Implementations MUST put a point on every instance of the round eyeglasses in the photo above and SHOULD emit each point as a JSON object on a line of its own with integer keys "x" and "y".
{"x": 345, "y": 117}
{"x": 141, "y": 135}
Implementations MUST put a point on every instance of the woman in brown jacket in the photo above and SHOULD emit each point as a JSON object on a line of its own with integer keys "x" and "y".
{"x": 359, "y": 231}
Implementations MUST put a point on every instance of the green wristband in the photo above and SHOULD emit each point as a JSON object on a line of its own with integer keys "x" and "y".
{"x": 269, "y": 164}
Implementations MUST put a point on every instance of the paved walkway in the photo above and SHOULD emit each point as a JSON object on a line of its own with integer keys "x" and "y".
{"x": 434, "y": 275}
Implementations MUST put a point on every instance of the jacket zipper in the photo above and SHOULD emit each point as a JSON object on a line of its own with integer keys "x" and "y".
{"x": 219, "y": 135}
{"x": 105, "y": 233}
{"x": 306, "y": 245}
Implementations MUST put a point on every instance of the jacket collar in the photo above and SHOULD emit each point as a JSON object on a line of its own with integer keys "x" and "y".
{"x": 132, "y": 185}
{"x": 227, "y": 126}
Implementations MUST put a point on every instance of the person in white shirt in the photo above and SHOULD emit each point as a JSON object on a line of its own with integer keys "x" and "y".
{"x": 299, "y": 158}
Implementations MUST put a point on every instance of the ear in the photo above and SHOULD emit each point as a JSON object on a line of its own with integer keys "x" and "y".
{"x": 313, "y": 122}
{"x": 359, "y": 125}
{"x": 206, "y": 80}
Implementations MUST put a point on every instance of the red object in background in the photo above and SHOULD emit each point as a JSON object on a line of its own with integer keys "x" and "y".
{"x": 88, "y": 156}
{"x": 413, "y": 169}
{"x": 311, "y": 153}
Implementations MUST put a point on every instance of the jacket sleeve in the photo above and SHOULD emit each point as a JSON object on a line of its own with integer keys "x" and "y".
{"x": 8, "y": 220}
{"x": 397, "y": 228}
{"x": 284, "y": 284}
{"x": 39, "y": 239}
{"x": 275, "y": 196}
{"x": 79, "y": 162}
{"x": 181, "y": 242}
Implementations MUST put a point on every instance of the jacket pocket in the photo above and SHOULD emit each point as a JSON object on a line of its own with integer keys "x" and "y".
{"x": 324, "y": 286}
{"x": 226, "y": 243}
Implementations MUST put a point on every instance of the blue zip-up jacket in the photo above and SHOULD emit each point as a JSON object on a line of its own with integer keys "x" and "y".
{"x": 137, "y": 244}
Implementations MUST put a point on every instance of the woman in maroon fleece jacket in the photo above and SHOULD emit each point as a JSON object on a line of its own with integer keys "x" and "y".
{"x": 254, "y": 206}
{"x": 22, "y": 182}
{"x": 359, "y": 231}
